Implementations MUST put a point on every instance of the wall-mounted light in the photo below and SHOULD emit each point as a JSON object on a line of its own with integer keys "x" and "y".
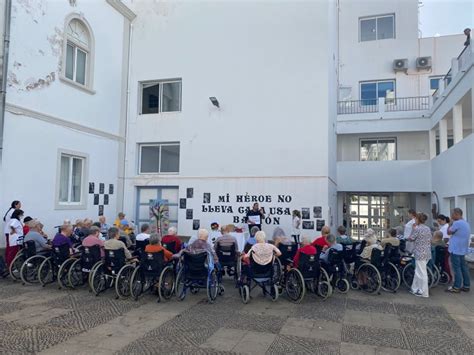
{"x": 214, "y": 101}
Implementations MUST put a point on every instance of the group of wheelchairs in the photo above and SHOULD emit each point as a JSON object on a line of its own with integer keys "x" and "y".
{"x": 149, "y": 272}
{"x": 146, "y": 272}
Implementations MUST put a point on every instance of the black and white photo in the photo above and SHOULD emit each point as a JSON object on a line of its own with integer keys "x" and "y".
{"x": 182, "y": 203}
{"x": 320, "y": 224}
{"x": 317, "y": 212}
{"x": 189, "y": 214}
{"x": 308, "y": 224}
{"x": 206, "y": 197}
{"x": 196, "y": 224}
{"x": 305, "y": 213}
{"x": 189, "y": 192}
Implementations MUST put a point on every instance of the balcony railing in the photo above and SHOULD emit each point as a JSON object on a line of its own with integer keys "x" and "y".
{"x": 357, "y": 106}
{"x": 417, "y": 103}
{"x": 407, "y": 104}
{"x": 464, "y": 58}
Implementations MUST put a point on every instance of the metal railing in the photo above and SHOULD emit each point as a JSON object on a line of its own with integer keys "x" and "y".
{"x": 357, "y": 106}
{"x": 407, "y": 104}
{"x": 464, "y": 57}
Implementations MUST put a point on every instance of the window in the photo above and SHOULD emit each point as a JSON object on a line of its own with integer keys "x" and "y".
{"x": 159, "y": 158}
{"x": 434, "y": 83}
{"x": 450, "y": 144}
{"x": 160, "y": 96}
{"x": 371, "y": 91}
{"x": 71, "y": 179}
{"x": 78, "y": 52}
{"x": 378, "y": 149}
{"x": 377, "y": 27}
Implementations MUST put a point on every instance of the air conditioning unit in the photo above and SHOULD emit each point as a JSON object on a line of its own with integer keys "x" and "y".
{"x": 423, "y": 63}
{"x": 400, "y": 65}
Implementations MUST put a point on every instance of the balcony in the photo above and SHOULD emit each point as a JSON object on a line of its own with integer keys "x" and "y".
{"x": 381, "y": 105}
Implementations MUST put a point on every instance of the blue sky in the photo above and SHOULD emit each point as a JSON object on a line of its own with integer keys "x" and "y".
{"x": 445, "y": 17}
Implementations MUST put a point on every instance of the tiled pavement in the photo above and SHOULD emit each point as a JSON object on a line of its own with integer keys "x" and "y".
{"x": 52, "y": 321}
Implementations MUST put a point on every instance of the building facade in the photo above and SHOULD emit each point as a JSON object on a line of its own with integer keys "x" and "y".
{"x": 338, "y": 109}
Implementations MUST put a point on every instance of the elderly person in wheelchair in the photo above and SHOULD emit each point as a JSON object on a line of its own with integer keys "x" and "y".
{"x": 259, "y": 267}
{"x": 199, "y": 268}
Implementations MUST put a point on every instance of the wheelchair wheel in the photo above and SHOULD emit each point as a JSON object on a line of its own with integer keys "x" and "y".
{"x": 274, "y": 292}
{"x": 221, "y": 290}
{"x": 91, "y": 272}
{"x": 137, "y": 282}
{"x": 166, "y": 283}
{"x": 323, "y": 276}
{"x": 180, "y": 285}
{"x": 238, "y": 270}
{"x": 436, "y": 275}
{"x": 324, "y": 289}
{"x": 431, "y": 277}
{"x": 294, "y": 285}
{"x": 373, "y": 279}
{"x": 277, "y": 271}
{"x": 444, "y": 278}
{"x": 245, "y": 294}
{"x": 15, "y": 266}
{"x": 212, "y": 286}
{"x": 45, "y": 272}
{"x": 408, "y": 273}
{"x": 342, "y": 285}
{"x": 30, "y": 269}
{"x": 98, "y": 279}
{"x": 75, "y": 277}
{"x": 122, "y": 282}
{"x": 63, "y": 280}
{"x": 391, "y": 278}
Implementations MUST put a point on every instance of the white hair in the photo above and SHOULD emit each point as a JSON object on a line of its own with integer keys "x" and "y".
{"x": 172, "y": 230}
{"x": 261, "y": 237}
{"x": 203, "y": 234}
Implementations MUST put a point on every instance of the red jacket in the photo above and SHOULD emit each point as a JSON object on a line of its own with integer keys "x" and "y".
{"x": 170, "y": 239}
{"x": 320, "y": 242}
{"x": 307, "y": 249}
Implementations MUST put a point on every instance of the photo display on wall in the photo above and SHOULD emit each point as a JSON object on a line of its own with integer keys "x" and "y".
{"x": 182, "y": 203}
{"x": 308, "y": 224}
{"x": 196, "y": 224}
{"x": 91, "y": 187}
{"x": 189, "y": 192}
{"x": 206, "y": 197}
{"x": 305, "y": 213}
{"x": 320, "y": 224}
{"x": 189, "y": 214}
{"x": 317, "y": 212}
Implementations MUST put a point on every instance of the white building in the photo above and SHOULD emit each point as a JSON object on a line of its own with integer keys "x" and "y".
{"x": 307, "y": 112}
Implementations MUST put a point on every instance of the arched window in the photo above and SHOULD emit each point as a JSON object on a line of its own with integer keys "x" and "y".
{"x": 78, "y": 57}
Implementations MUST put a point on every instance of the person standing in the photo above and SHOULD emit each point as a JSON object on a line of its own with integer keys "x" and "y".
{"x": 15, "y": 205}
{"x": 409, "y": 230}
{"x": 460, "y": 233}
{"x": 421, "y": 237}
{"x": 443, "y": 223}
{"x": 255, "y": 216}
{"x": 15, "y": 237}
{"x": 296, "y": 224}
{"x": 467, "y": 32}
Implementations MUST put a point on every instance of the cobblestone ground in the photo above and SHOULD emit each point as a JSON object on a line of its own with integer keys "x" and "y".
{"x": 51, "y": 321}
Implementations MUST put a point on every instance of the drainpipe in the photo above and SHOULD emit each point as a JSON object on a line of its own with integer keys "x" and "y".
{"x": 6, "y": 46}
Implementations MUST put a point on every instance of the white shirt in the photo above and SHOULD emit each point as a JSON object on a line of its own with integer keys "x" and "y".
{"x": 17, "y": 226}
{"x": 142, "y": 237}
{"x": 8, "y": 217}
{"x": 444, "y": 229}
{"x": 408, "y": 229}
{"x": 213, "y": 235}
{"x": 296, "y": 226}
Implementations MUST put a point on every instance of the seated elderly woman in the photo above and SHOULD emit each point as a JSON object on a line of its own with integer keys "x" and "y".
{"x": 199, "y": 245}
{"x": 262, "y": 252}
{"x": 155, "y": 246}
{"x": 371, "y": 244}
{"x": 279, "y": 237}
{"x": 331, "y": 240}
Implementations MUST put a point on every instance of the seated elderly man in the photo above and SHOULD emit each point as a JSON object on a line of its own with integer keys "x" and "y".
{"x": 155, "y": 246}
{"x": 279, "y": 237}
{"x": 262, "y": 252}
{"x": 306, "y": 248}
{"x": 172, "y": 237}
{"x": 113, "y": 243}
{"x": 199, "y": 245}
{"x": 94, "y": 239}
{"x": 34, "y": 234}
{"x": 331, "y": 240}
{"x": 64, "y": 237}
{"x": 226, "y": 239}
{"x": 390, "y": 238}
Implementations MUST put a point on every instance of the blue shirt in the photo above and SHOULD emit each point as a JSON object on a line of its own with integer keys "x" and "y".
{"x": 460, "y": 237}
{"x": 325, "y": 255}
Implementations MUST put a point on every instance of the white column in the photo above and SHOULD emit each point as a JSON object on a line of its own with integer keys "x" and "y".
{"x": 432, "y": 134}
{"x": 457, "y": 123}
{"x": 443, "y": 135}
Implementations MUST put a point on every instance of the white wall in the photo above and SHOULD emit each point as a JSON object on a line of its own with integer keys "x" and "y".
{"x": 272, "y": 69}
{"x": 373, "y": 60}
{"x": 410, "y": 145}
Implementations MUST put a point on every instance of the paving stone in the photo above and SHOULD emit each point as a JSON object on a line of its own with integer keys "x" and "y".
{"x": 424, "y": 323}
{"x": 358, "y": 318}
{"x": 320, "y": 311}
{"x": 433, "y": 343}
{"x": 327, "y": 330}
{"x": 383, "y": 320}
{"x": 285, "y": 344}
{"x": 373, "y": 336}
{"x": 254, "y": 343}
{"x": 370, "y": 305}
{"x": 421, "y": 311}
{"x": 224, "y": 339}
{"x": 380, "y": 350}
{"x": 351, "y": 349}
{"x": 269, "y": 324}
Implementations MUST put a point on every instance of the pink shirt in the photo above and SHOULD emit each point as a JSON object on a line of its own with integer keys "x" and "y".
{"x": 90, "y": 241}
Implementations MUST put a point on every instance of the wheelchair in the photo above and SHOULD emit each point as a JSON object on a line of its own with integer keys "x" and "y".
{"x": 440, "y": 253}
{"x": 389, "y": 273}
{"x": 30, "y": 268}
{"x": 260, "y": 275}
{"x": 229, "y": 260}
{"x": 366, "y": 276}
{"x": 81, "y": 270}
{"x": 171, "y": 247}
{"x": 56, "y": 266}
{"x": 152, "y": 274}
{"x": 114, "y": 271}
{"x": 337, "y": 270}
{"x": 408, "y": 272}
{"x": 195, "y": 273}
{"x": 17, "y": 262}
